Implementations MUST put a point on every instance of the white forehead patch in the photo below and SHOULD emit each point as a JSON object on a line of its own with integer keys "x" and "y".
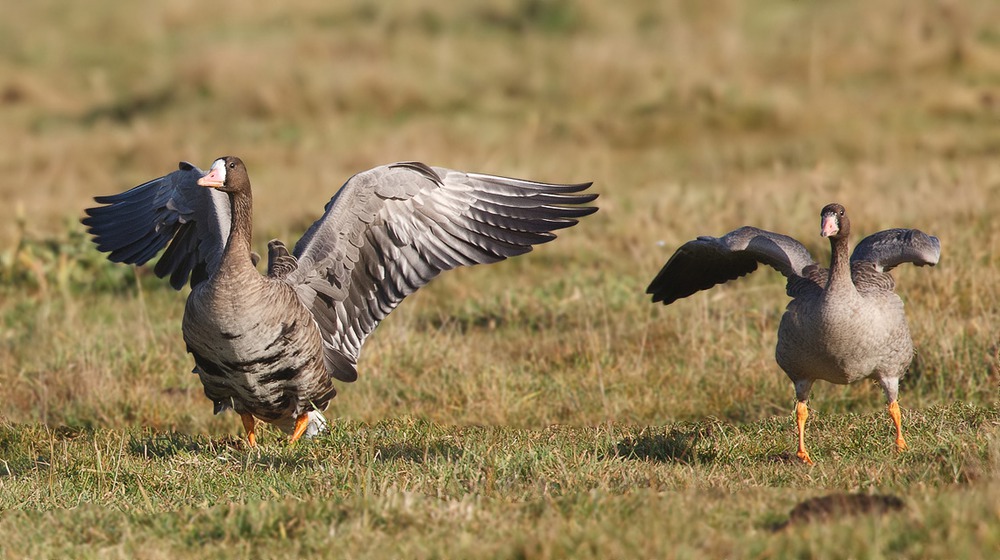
{"x": 220, "y": 166}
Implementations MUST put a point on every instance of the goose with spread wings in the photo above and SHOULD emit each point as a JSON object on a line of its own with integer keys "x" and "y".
{"x": 269, "y": 346}
{"x": 843, "y": 324}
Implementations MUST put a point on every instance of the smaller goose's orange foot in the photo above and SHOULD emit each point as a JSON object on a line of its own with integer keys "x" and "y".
{"x": 804, "y": 455}
{"x": 248, "y": 424}
{"x": 301, "y": 423}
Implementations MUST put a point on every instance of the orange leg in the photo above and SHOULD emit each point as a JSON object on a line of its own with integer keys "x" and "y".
{"x": 248, "y": 424}
{"x": 897, "y": 420}
{"x": 801, "y": 414}
{"x": 301, "y": 423}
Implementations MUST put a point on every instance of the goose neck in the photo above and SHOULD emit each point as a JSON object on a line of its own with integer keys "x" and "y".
{"x": 240, "y": 230}
{"x": 840, "y": 263}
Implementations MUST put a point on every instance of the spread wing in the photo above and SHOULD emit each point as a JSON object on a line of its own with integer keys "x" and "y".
{"x": 390, "y": 230}
{"x": 135, "y": 225}
{"x": 707, "y": 261}
{"x": 889, "y": 248}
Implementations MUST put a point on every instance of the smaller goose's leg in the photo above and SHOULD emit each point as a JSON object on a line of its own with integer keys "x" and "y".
{"x": 891, "y": 388}
{"x": 301, "y": 423}
{"x": 248, "y": 424}
{"x": 897, "y": 420}
{"x": 801, "y": 414}
{"x": 802, "y": 388}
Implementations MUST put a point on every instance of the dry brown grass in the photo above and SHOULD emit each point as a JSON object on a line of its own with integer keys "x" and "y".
{"x": 691, "y": 118}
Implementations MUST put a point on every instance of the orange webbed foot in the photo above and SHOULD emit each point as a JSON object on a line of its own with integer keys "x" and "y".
{"x": 249, "y": 424}
{"x": 804, "y": 455}
{"x": 301, "y": 423}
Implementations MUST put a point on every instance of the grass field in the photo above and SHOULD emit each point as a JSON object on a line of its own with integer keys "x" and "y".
{"x": 540, "y": 407}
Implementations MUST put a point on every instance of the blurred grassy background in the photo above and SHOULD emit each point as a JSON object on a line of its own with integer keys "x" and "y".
{"x": 690, "y": 117}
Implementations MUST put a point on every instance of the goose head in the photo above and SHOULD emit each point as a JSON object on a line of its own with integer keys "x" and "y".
{"x": 834, "y": 222}
{"x": 227, "y": 174}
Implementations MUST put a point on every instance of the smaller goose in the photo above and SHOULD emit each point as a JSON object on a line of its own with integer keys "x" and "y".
{"x": 842, "y": 325}
{"x": 269, "y": 346}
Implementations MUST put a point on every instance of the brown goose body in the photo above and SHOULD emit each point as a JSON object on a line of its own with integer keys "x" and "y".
{"x": 844, "y": 339}
{"x": 842, "y": 325}
{"x": 270, "y": 346}
{"x": 258, "y": 350}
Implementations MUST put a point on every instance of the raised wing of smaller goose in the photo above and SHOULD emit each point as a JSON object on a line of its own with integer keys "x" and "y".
{"x": 135, "y": 225}
{"x": 390, "y": 230}
{"x": 892, "y": 247}
{"x": 707, "y": 261}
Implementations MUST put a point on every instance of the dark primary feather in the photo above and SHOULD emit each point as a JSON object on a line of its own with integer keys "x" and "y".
{"x": 893, "y": 247}
{"x": 390, "y": 230}
{"x": 135, "y": 225}
{"x": 708, "y": 261}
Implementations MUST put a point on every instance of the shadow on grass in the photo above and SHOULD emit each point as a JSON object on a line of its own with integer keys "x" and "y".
{"x": 418, "y": 453}
{"x": 277, "y": 462}
{"x": 226, "y": 449}
{"x": 12, "y": 467}
{"x": 164, "y": 445}
{"x": 676, "y": 445}
{"x": 19, "y": 450}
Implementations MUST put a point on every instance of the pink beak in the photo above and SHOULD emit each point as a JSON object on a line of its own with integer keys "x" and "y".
{"x": 213, "y": 179}
{"x": 829, "y": 227}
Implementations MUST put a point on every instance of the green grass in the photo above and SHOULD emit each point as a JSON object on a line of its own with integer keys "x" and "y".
{"x": 540, "y": 407}
{"x": 404, "y": 487}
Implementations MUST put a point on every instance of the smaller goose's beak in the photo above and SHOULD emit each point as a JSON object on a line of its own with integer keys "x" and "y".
{"x": 829, "y": 226}
{"x": 215, "y": 178}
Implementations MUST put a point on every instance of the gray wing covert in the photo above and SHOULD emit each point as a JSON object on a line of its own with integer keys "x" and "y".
{"x": 892, "y": 247}
{"x": 882, "y": 251}
{"x": 390, "y": 230}
{"x": 135, "y": 225}
{"x": 279, "y": 261}
{"x": 868, "y": 279}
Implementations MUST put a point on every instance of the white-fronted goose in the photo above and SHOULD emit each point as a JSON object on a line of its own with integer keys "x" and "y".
{"x": 270, "y": 346}
{"x": 842, "y": 325}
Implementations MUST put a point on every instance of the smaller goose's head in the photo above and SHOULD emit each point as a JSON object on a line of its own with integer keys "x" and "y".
{"x": 227, "y": 174}
{"x": 833, "y": 221}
